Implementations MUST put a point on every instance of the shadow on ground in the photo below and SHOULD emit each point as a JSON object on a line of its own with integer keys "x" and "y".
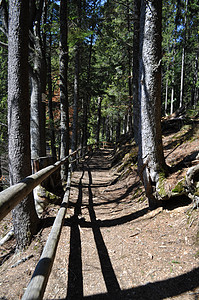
{"x": 157, "y": 290}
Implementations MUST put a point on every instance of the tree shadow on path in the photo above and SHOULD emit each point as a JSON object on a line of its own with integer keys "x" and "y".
{"x": 75, "y": 276}
{"x": 157, "y": 290}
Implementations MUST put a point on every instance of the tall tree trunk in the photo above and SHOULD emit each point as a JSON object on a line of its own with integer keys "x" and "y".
{"x": 35, "y": 115}
{"x": 99, "y": 103}
{"x": 182, "y": 78}
{"x": 108, "y": 129}
{"x": 172, "y": 98}
{"x": 125, "y": 121}
{"x": 183, "y": 57}
{"x": 1, "y": 184}
{"x": 86, "y": 101}
{"x": 50, "y": 108}
{"x": 118, "y": 129}
{"x": 130, "y": 75}
{"x": 195, "y": 87}
{"x": 43, "y": 79}
{"x": 25, "y": 219}
{"x": 76, "y": 102}
{"x": 166, "y": 98}
{"x": 38, "y": 86}
{"x": 76, "y": 84}
{"x": 103, "y": 128}
{"x": 136, "y": 38}
{"x": 151, "y": 161}
{"x": 64, "y": 106}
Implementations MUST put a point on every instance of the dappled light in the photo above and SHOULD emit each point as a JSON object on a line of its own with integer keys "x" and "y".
{"x": 99, "y": 149}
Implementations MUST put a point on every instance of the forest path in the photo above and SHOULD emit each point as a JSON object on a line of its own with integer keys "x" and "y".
{"x": 113, "y": 247}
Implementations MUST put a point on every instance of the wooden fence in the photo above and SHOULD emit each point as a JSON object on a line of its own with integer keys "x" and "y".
{"x": 10, "y": 197}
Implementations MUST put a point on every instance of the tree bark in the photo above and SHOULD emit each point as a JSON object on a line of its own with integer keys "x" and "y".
{"x": 76, "y": 101}
{"x": 38, "y": 86}
{"x": 35, "y": 115}
{"x": 195, "y": 87}
{"x": 99, "y": 103}
{"x": 107, "y": 122}
{"x": 50, "y": 108}
{"x": 151, "y": 161}
{"x": 166, "y": 98}
{"x": 87, "y": 98}
{"x": 1, "y": 184}
{"x": 136, "y": 38}
{"x": 130, "y": 74}
{"x": 25, "y": 219}
{"x": 63, "y": 69}
{"x": 172, "y": 99}
{"x": 76, "y": 83}
{"x": 183, "y": 57}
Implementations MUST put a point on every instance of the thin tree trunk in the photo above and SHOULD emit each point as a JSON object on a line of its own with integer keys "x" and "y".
{"x": 86, "y": 101}
{"x": 107, "y": 129}
{"x": 136, "y": 38}
{"x": 38, "y": 86}
{"x": 1, "y": 184}
{"x": 43, "y": 79}
{"x": 166, "y": 98}
{"x": 76, "y": 101}
{"x": 125, "y": 121}
{"x": 50, "y": 95}
{"x": 182, "y": 78}
{"x": 130, "y": 75}
{"x": 172, "y": 100}
{"x": 76, "y": 84}
{"x": 103, "y": 127}
{"x": 195, "y": 87}
{"x": 98, "y": 120}
{"x": 50, "y": 108}
{"x": 183, "y": 57}
{"x": 35, "y": 116}
{"x": 64, "y": 106}
{"x": 118, "y": 129}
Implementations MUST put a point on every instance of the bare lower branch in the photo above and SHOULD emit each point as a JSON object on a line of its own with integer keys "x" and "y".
{"x": 4, "y": 45}
{"x": 3, "y": 124}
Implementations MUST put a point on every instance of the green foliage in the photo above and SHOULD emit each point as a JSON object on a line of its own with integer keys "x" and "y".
{"x": 77, "y": 35}
{"x": 176, "y": 36}
{"x": 111, "y": 63}
{"x": 179, "y": 188}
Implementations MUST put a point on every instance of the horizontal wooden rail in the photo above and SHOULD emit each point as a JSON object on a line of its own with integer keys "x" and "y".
{"x": 10, "y": 197}
{"x": 37, "y": 285}
{"x": 14, "y": 194}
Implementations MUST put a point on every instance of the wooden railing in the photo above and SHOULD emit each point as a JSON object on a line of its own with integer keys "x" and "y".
{"x": 10, "y": 197}
{"x": 37, "y": 285}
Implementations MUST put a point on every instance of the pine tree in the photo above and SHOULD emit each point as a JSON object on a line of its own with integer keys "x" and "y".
{"x": 25, "y": 220}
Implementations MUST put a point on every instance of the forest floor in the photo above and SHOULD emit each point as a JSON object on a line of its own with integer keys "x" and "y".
{"x": 112, "y": 246}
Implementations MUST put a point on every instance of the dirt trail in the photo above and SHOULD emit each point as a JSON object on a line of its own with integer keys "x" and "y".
{"x": 117, "y": 248}
{"x": 112, "y": 246}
